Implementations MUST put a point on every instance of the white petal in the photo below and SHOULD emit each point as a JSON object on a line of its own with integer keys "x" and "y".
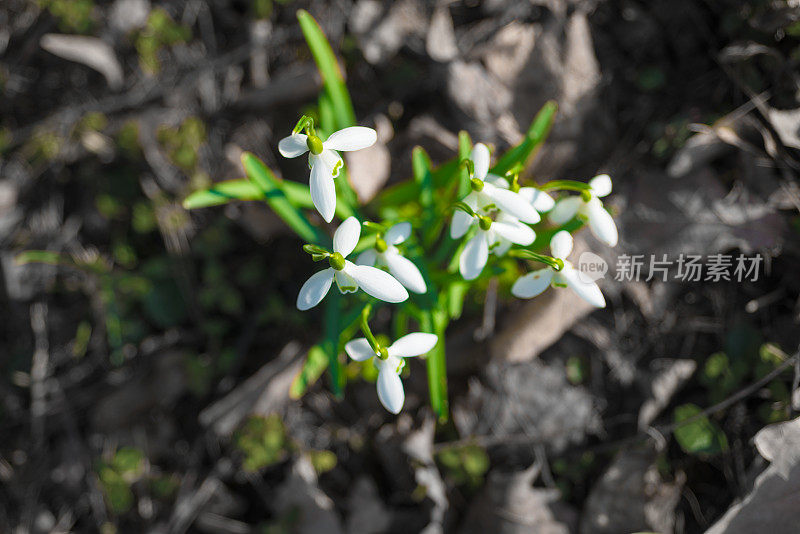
{"x": 333, "y": 160}
{"x": 516, "y": 232}
{"x": 367, "y": 257}
{"x": 314, "y": 290}
{"x": 323, "y": 189}
{"x": 497, "y": 181}
{"x": 601, "y": 185}
{"x": 565, "y": 209}
{"x": 473, "y": 257}
{"x": 501, "y": 248}
{"x": 345, "y": 282}
{"x": 406, "y": 272}
{"x": 462, "y": 220}
{"x": 359, "y": 349}
{"x": 601, "y": 223}
{"x": 293, "y": 146}
{"x": 398, "y": 233}
{"x": 352, "y": 138}
{"x": 481, "y": 160}
{"x": 512, "y": 203}
{"x": 390, "y": 389}
{"x": 561, "y": 244}
{"x": 413, "y": 344}
{"x": 346, "y": 237}
{"x": 588, "y": 291}
{"x": 542, "y": 202}
{"x": 532, "y": 284}
{"x": 377, "y": 283}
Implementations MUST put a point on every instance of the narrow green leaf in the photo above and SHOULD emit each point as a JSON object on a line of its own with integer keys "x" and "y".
{"x": 534, "y": 138}
{"x": 315, "y": 364}
{"x": 436, "y": 364}
{"x": 332, "y": 78}
{"x": 222, "y": 193}
{"x": 331, "y": 343}
{"x": 263, "y": 177}
{"x": 464, "y": 153}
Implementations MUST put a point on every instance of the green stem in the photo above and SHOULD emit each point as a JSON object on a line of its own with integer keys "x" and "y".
{"x": 365, "y": 328}
{"x": 555, "y": 263}
{"x": 569, "y": 185}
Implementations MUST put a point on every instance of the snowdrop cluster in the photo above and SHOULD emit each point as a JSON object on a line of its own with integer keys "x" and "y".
{"x": 495, "y": 217}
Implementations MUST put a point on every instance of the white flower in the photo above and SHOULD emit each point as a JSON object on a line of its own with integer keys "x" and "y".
{"x": 385, "y": 254}
{"x": 535, "y": 282}
{"x": 325, "y": 162}
{"x": 496, "y": 236}
{"x": 541, "y": 201}
{"x": 390, "y": 387}
{"x": 485, "y": 194}
{"x": 592, "y": 211}
{"x": 349, "y": 276}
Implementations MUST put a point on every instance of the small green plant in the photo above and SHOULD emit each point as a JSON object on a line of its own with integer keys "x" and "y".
{"x": 465, "y": 465}
{"x": 696, "y": 433}
{"x": 73, "y": 16}
{"x": 183, "y": 143}
{"x": 263, "y": 442}
{"x": 117, "y": 475}
{"x": 422, "y": 245}
{"x": 159, "y": 32}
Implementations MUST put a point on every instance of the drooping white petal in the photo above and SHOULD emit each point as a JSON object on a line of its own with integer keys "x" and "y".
{"x": 413, "y": 344}
{"x": 501, "y": 248}
{"x": 601, "y": 185}
{"x": 293, "y": 146}
{"x": 346, "y": 236}
{"x": 390, "y": 389}
{"x": 588, "y": 291}
{"x": 601, "y": 223}
{"x": 333, "y": 160}
{"x": 514, "y": 231}
{"x": 462, "y": 220}
{"x": 377, "y": 283}
{"x": 405, "y": 271}
{"x": 565, "y": 209}
{"x": 398, "y": 233}
{"x": 359, "y": 349}
{"x": 315, "y": 289}
{"x": 352, "y": 138}
{"x": 542, "y": 202}
{"x": 512, "y": 203}
{"x": 532, "y": 284}
{"x": 345, "y": 282}
{"x": 323, "y": 189}
{"x": 474, "y": 256}
{"x": 497, "y": 181}
{"x": 561, "y": 244}
{"x": 367, "y": 257}
{"x": 481, "y": 159}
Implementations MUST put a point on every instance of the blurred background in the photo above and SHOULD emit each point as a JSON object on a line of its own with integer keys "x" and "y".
{"x": 149, "y": 359}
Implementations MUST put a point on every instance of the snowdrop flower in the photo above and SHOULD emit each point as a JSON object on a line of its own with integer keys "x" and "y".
{"x": 541, "y": 201}
{"x": 589, "y": 207}
{"x": 535, "y": 282}
{"x": 324, "y": 160}
{"x": 349, "y": 276}
{"x": 385, "y": 254}
{"x": 389, "y": 362}
{"x": 496, "y": 236}
{"x": 485, "y": 194}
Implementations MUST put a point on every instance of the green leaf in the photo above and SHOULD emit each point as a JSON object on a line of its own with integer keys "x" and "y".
{"x": 464, "y": 153}
{"x": 436, "y": 322}
{"x": 222, "y": 193}
{"x": 315, "y": 364}
{"x": 534, "y": 138}
{"x": 332, "y": 78}
{"x": 263, "y": 177}
{"x": 696, "y": 433}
